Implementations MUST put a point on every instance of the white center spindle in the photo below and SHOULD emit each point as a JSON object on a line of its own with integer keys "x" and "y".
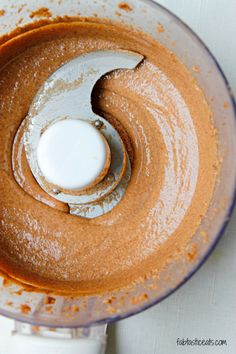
{"x": 73, "y": 154}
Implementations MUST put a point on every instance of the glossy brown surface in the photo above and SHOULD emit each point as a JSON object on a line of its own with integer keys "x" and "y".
{"x": 166, "y": 125}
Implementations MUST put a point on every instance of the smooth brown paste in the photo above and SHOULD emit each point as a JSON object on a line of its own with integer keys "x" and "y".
{"x": 165, "y": 122}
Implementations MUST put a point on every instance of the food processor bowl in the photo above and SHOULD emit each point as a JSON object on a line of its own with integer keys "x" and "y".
{"x": 40, "y": 309}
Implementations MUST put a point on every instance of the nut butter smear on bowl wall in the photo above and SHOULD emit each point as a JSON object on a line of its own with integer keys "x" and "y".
{"x": 166, "y": 127}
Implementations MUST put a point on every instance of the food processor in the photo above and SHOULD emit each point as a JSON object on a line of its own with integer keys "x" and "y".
{"x": 62, "y": 324}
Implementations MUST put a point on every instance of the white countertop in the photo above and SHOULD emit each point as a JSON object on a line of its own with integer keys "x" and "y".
{"x": 206, "y": 306}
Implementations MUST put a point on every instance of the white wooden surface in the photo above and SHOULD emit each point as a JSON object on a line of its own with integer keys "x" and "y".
{"x": 206, "y": 306}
